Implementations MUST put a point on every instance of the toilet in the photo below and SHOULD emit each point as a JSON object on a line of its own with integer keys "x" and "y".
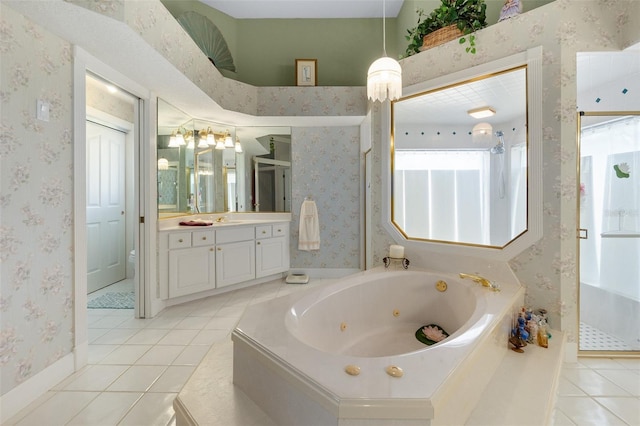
{"x": 131, "y": 265}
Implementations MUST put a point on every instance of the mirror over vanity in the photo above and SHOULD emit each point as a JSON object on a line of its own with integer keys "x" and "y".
{"x": 209, "y": 167}
{"x": 460, "y": 161}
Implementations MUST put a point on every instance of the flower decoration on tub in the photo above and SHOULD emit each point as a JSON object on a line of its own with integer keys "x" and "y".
{"x": 430, "y": 334}
{"x": 433, "y": 333}
{"x": 622, "y": 170}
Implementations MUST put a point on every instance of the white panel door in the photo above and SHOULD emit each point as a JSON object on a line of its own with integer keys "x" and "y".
{"x": 106, "y": 257}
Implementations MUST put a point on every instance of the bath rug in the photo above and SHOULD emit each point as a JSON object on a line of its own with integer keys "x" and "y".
{"x": 434, "y": 331}
{"x": 119, "y": 300}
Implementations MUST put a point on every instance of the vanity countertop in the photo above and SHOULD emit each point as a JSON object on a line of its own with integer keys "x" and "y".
{"x": 231, "y": 219}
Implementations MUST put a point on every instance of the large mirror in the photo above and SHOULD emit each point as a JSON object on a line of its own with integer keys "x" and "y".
{"x": 459, "y": 159}
{"x": 263, "y": 174}
{"x": 208, "y": 167}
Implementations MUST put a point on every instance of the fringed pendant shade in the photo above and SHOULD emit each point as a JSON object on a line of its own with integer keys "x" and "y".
{"x": 384, "y": 79}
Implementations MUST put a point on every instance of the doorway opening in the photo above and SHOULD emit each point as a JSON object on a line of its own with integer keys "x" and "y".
{"x": 111, "y": 225}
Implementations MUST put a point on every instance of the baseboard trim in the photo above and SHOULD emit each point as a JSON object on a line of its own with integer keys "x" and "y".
{"x": 25, "y": 393}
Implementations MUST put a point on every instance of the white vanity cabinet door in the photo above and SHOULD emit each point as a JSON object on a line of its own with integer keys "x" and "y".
{"x": 235, "y": 262}
{"x": 272, "y": 256}
{"x": 191, "y": 270}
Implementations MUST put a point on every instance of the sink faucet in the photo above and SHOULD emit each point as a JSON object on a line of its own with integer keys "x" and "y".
{"x": 480, "y": 280}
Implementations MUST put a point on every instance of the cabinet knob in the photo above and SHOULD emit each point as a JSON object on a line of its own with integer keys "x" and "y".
{"x": 180, "y": 240}
{"x": 204, "y": 238}
{"x": 258, "y": 243}
{"x": 219, "y": 248}
{"x": 264, "y": 232}
{"x": 211, "y": 249}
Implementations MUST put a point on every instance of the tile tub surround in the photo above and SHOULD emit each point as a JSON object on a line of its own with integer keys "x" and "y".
{"x": 273, "y": 368}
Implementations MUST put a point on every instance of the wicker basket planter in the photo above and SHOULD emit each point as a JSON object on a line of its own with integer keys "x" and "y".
{"x": 440, "y": 36}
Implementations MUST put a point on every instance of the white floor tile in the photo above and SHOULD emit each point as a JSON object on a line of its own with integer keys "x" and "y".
{"x": 219, "y": 323}
{"x": 208, "y": 337}
{"x": 593, "y": 384}
{"x": 106, "y": 409}
{"x": 116, "y": 336}
{"x": 125, "y": 354}
{"x": 192, "y": 355}
{"x": 108, "y": 322}
{"x": 98, "y": 352}
{"x": 566, "y": 388}
{"x": 153, "y": 409}
{"x": 596, "y": 363}
{"x": 627, "y": 380}
{"x": 192, "y": 323}
{"x": 95, "y": 378}
{"x": 49, "y": 412}
{"x": 560, "y": 419}
{"x": 584, "y": 411}
{"x": 178, "y": 337}
{"x": 173, "y": 379}
{"x": 147, "y": 336}
{"x": 160, "y": 355}
{"x": 138, "y": 378}
{"x": 628, "y": 409}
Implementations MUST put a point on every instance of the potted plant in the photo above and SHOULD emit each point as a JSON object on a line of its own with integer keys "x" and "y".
{"x": 452, "y": 19}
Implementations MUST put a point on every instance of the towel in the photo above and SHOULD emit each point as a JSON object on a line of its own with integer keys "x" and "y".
{"x": 196, "y": 223}
{"x": 309, "y": 238}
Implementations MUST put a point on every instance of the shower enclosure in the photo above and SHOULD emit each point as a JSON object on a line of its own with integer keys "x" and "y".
{"x": 609, "y": 205}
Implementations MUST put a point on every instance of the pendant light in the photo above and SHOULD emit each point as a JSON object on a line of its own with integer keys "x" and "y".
{"x": 384, "y": 79}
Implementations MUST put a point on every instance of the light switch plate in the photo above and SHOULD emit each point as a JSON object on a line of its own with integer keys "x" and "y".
{"x": 42, "y": 110}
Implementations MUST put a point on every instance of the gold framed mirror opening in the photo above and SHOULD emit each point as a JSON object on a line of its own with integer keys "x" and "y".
{"x": 460, "y": 161}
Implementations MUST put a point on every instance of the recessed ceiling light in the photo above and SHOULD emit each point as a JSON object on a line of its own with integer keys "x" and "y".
{"x": 483, "y": 112}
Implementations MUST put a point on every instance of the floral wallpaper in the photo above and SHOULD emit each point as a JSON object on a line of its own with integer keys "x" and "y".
{"x": 36, "y": 195}
{"x": 36, "y": 189}
{"x": 326, "y": 167}
{"x": 562, "y": 28}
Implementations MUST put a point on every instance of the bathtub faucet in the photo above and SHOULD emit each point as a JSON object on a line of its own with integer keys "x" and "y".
{"x": 480, "y": 280}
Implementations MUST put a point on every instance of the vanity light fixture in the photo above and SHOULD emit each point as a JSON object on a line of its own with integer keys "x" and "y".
{"x": 211, "y": 138}
{"x": 237, "y": 146}
{"x": 202, "y": 143}
{"x": 228, "y": 140}
{"x": 220, "y": 143}
{"x": 384, "y": 78}
{"x": 163, "y": 164}
{"x": 482, "y": 112}
{"x": 173, "y": 141}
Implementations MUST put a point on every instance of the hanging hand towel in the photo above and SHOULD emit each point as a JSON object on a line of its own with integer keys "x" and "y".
{"x": 309, "y": 238}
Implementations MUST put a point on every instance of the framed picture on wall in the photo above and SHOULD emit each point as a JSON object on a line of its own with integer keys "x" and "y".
{"x": 306, "y": 72}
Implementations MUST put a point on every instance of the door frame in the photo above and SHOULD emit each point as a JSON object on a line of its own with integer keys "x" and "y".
{"x": 580, "y": 114}
{"x": 144, "y": 165}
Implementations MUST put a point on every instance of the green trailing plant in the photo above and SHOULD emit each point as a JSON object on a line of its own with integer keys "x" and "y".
{"x": 468, "y": 15}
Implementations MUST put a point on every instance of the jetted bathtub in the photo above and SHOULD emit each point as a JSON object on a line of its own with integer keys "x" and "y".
{"x": 346, "y": 353}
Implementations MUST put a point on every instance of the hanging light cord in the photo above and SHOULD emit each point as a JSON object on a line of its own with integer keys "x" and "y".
{"x": 384, "y": 29}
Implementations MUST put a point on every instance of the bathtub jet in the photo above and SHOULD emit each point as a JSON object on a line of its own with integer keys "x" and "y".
{"x": 348, "y": 350}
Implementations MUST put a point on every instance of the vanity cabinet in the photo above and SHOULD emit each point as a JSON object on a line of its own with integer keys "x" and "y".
{"x": 235, "y": 256}
{"x": 199, "y": 260}
{"x": 272, "y": 249}
{"x": 191, "y": 262}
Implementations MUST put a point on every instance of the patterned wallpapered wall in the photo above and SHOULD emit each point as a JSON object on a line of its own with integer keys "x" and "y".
{"x": 562, "y": 28}
{"x": 326, "y": 167}
{"x": 36, "y": 252}
{"x": 36, "y": 200}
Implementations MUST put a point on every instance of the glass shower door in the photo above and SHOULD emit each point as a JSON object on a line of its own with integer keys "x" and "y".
{"x": 609, "y": 293}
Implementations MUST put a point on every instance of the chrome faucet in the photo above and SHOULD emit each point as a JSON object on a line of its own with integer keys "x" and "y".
{"x": 480, "y": 280}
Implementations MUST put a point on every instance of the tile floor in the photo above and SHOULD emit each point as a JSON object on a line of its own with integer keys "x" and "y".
{"x": 137, "y": 367}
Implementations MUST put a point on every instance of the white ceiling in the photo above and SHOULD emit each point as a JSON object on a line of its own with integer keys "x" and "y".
{"x": 257, "y": 9}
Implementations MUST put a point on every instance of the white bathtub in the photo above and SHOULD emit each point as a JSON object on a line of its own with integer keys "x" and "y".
{"x": 290, "y": 354}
